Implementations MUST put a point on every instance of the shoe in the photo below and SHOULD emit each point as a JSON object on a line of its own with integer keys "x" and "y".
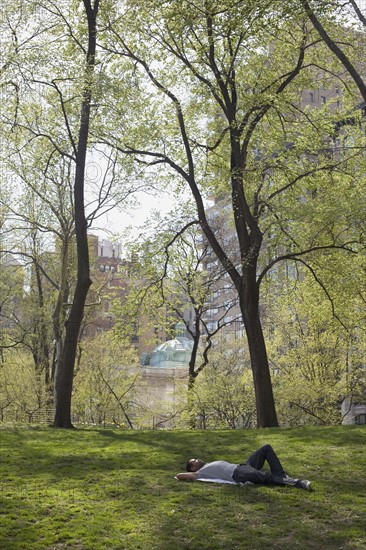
{"x": 304, "y": 484}
{"x": 283, "y": 480}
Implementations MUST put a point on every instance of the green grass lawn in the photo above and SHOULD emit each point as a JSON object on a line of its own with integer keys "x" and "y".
{"x": 108, "y": 489}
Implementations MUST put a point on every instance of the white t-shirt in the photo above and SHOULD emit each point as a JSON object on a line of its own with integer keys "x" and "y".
{"x": 220, "y": 469}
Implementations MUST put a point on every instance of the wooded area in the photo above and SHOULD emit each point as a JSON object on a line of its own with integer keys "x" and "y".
{"x": 213, "y": 97}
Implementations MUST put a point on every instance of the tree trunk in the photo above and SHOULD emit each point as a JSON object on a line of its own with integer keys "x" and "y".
{"x": 59, "y": 313}
{"x": 65, "y": 372}
{"x": 248, "y": 293}
{"x": 249, "y": 305}
{"x": 266, "y": 411}
{"x": 193, "y": 372}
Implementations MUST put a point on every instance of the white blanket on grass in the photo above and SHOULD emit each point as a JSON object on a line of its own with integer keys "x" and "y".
{"x": 223, "y": 481}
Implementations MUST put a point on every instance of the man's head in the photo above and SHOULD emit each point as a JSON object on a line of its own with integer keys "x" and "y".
{"x": 194, "y": 464}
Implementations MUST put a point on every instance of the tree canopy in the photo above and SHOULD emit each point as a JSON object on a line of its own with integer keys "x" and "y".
{"x": 217, "y": 97}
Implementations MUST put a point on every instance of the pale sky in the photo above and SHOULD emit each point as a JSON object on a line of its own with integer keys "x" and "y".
{"x": 116, "y": 221}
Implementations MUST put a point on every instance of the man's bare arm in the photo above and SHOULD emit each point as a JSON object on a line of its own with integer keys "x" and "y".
{"x": 189, "y": 476}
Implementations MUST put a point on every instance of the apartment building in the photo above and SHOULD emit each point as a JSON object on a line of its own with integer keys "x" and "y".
{"x": 113, "y": 277}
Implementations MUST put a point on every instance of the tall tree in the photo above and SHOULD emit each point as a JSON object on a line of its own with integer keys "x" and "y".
{"x": 65, "y": 373}
{"x": 222, "y": 109}
{"x": 49, "y": 80}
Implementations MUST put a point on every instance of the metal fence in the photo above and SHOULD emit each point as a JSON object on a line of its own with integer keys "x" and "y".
{"x": 13, "y": 415}
{"x": 39, "y": 416}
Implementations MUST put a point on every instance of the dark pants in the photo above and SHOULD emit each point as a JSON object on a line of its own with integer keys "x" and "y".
{"x": 251, "y": 470}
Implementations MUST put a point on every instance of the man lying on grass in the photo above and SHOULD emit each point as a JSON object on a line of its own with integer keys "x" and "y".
{"x": 250, "y": 471}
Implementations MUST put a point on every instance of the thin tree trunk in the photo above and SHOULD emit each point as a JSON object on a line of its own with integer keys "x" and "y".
{"x": 58, "y": 316}
{"x": 65, "y": 372}
{"x": 41, "y": 350}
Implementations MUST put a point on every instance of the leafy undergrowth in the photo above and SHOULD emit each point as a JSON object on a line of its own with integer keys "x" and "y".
{"x": 95, "y": 489}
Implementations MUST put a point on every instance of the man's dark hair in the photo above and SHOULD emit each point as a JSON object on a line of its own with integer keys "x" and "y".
{"x": 188, "y": 466}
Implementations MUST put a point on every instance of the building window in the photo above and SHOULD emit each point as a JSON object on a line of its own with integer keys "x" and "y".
{"x": 323, "y": 99}
{"x": 102, "y": 267}
{"x": 360, "y": 419}
{"x": 212, "y": 325}
{"x": 311, "y": 96}
{"x": 212, "y": 312}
